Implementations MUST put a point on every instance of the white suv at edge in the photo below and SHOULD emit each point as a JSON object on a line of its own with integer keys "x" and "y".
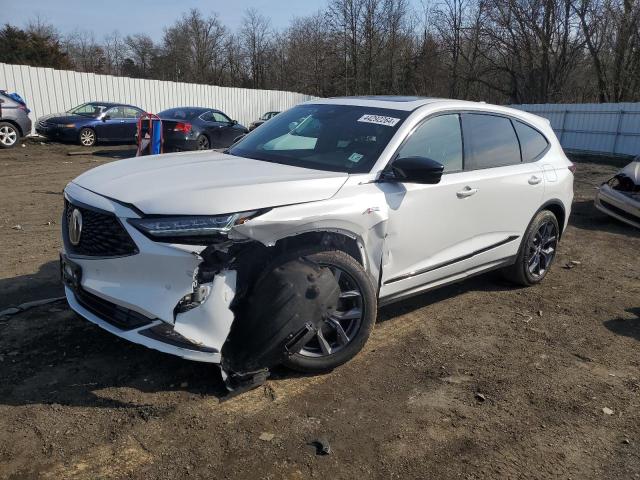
{"x": 281, "y": 249}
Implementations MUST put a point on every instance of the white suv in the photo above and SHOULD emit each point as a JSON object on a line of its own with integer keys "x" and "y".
{"x": 281, "y": 249}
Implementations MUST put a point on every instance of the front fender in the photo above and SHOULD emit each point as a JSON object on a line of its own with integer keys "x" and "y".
{"x": 363, "y": 219}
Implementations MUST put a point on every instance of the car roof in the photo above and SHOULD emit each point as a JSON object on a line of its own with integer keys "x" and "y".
{"x": 410, "y": 104}
{"x": 201, "y": 109}
{"x": 111, "y": 104}
{"x": 406, "y": 103}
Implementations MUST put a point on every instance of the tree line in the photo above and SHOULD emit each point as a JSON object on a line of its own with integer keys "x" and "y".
{"x": 500, "y": 51}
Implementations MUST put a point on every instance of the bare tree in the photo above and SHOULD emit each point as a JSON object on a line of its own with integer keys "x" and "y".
{"x": 86, "y": 54}
{"x": 115, "y": 52}
{"x": 495, "y": 50}
{"x": 142, "y": 50}
{"x": 256, "y": 34}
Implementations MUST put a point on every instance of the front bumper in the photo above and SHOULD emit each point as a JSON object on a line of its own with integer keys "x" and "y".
{"x": 150, "y": 284}
{"x": 55, "y": 132}
{"x": 618, "y": 205}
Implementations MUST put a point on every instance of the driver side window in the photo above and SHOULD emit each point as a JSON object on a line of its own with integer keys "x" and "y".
{"x": 439, "y": 139}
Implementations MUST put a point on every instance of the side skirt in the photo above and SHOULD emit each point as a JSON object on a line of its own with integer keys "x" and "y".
{"x": 442, "y": 282}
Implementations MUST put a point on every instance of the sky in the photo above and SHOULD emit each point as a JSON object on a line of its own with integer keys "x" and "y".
{"x": 102, "y": 17}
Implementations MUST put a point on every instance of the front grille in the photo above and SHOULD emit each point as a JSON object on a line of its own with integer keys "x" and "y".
{"x": 102, "y": 234}
{"x": 618, "y": 211}
{"x": 118, "y": 316}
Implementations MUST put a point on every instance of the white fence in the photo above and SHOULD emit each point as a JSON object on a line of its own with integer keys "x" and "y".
{"x": 612, "y": 128}
{"x": 50, "y": 91}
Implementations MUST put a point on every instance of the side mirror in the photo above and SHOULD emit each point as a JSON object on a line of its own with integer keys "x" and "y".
{"x": 106, "y": 117}
{"x": 234, "y": 122}
{"x": 417, "y": 170}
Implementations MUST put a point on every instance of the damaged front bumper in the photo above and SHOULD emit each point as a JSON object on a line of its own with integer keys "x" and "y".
{"x": 618, "y": 204}
{"x": 152, "y": 297}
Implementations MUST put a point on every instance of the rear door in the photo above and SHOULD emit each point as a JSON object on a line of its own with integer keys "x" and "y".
{"x": 504, "y": 192}
{"x": 130, "y": 124}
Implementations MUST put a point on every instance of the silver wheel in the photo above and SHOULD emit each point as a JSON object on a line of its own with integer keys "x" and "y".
{"x": 8, "y": 135}
{"x": 541, "y": 249}
{"x": 342, "y": 327}
{"x": 87, "y": 137}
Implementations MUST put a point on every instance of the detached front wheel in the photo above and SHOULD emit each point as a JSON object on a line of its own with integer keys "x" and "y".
{"x": 342, "y": 335}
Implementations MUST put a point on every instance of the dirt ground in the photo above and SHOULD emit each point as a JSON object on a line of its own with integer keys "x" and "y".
{"x": 476, "y": 380}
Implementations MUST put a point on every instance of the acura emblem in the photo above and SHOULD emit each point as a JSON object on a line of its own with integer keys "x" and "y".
{"x": 75, "y": 227}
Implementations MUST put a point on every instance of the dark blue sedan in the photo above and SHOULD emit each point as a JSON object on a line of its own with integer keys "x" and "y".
{"x": 92, "y": 122}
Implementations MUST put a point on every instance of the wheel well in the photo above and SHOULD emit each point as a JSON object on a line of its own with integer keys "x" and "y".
{"x": 329, "y": 240}
{"x": 14, "y": 124}
{"x": 558, "y": 210}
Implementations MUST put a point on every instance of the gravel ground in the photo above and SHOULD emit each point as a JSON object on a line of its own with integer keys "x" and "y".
{"x": 476, "y": 380}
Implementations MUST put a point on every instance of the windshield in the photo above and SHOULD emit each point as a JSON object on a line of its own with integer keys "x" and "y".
{"x": 181, "y": 113}
{"x": 339, "y": 138}
{"x": 88, "y": 109}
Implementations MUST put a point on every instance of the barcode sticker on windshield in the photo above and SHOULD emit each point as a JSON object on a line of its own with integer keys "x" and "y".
{"x": 379, "y": 120}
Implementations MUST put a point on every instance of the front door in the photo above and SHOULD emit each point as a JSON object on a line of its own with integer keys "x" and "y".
{"x": 225, "y": 131}
{"x": 113, "y": 125}
{"x": 429, "y": 233}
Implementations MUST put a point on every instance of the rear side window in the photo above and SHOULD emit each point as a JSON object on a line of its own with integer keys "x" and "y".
{"x": 439, "y": 139}
{"x": 489, "y": 141}
{"x": 130, "y": 112}
{"x": 532, "y": 142}
{"x": 116, "y": 112}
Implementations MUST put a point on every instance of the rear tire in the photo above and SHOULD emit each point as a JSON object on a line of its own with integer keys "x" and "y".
{"x": 203, "y": 142}
{"x": 9, "y": 135}
{"x": 537, "y": 251}
{"x": 345, "y": 339}
{"x": 87, "y": 137}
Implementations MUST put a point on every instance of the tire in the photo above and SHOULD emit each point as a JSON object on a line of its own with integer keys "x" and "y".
{"x": 203, "y": 142}
{"x": 9, "y": 135}
{"x": 311, "y": 359}
{"x": 87, "y": 137}
{"x": 540, "y": 241}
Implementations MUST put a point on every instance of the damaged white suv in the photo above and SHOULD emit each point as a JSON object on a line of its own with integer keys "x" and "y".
{"x": 281, "y": 249}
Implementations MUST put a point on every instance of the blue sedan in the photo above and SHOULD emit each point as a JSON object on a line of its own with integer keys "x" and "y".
{"x": 92, "y": 122}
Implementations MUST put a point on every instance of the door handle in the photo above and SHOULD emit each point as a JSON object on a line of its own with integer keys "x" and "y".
{"x": 466, "y": 192}
{"x": 534, "y": 180}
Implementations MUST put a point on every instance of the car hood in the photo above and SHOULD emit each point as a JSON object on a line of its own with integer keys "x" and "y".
{"x": 632, "y": 171}
{"x": 65, "y": 118}
{"x": 207, "y": 183}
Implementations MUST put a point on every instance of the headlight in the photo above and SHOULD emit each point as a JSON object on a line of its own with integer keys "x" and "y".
{"x": 190, "y": 229}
